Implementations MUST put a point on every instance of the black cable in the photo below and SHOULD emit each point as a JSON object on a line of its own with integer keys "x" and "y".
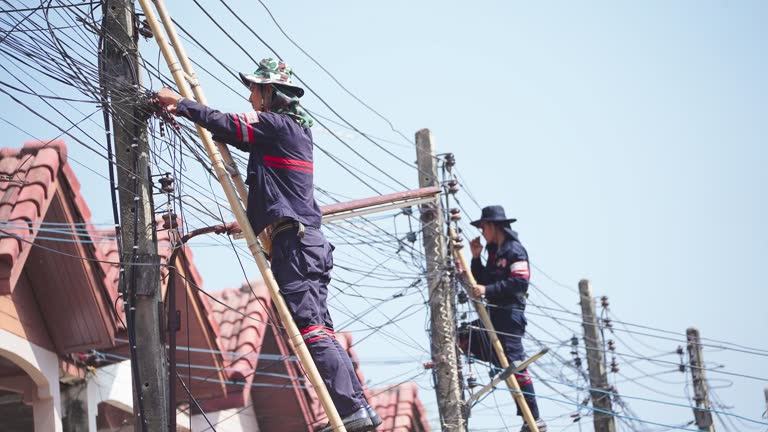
{"x": 250, "y": 29}
{"x": 74, "y": 5}
{"x": 392, "y": 126}
{"x": 43, "y": 96}
{"x": 247, "y": 53}
{"x": 197, "y": 404}
{"x": 32, "y": 11}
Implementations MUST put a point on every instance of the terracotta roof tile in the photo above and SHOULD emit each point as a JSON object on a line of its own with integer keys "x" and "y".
{"x": 46, "y": 158}
{"x": 25, "y": 210}
{"x": 9, "y": 250}
{"x": 30, "y": 178}
{"x": 238, "y": 334}
{"x": 400, "y": 408}
{"x": 106, "y": 251}
{"x": 33, "y": 193}
{"x": 9, "y": 161}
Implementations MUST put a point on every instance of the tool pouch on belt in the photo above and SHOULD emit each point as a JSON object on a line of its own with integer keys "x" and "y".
{"x": 298, "y": 261}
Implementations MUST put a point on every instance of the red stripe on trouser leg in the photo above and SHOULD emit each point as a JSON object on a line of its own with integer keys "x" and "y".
{"x": 313, "y": 333}
{"x": 523, "y": 378}
{"x": 309, "y": 341}
{"x": 311, "y": 328}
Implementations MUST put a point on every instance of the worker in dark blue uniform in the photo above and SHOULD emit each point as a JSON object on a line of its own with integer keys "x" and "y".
{"x": 503, "y": 280}
{"x": 278, "y": 138}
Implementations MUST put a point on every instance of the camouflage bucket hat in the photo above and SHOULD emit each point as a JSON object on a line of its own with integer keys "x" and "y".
{"x": 271, "y": 71}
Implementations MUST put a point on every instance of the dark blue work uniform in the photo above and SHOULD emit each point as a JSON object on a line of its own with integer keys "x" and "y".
{"x": 505, "y": 276}
{"x": 280, "y": 181}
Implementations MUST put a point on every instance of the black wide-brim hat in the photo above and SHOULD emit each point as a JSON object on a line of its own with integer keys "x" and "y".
{"x": 495, "y": 214}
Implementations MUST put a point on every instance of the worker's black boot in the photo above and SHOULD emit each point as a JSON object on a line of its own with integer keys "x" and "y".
{"x": 539, "y": 423}
{"x": 375, "y": 419}
{"x": 358, "y": 421}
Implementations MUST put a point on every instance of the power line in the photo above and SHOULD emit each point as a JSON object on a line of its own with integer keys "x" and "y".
{"x": 349, "y": 92}
{"x": 35, "y": 9}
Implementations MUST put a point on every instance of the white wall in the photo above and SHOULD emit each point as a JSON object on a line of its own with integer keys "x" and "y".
{"x": 42, "y": 366}
{"x": 231, "y": 420}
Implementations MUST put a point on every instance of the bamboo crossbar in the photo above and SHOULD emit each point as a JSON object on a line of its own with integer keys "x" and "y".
{"x": 221, "y": 160}
{"x": 512, "y": 369}
{"x": 497, "y": 347}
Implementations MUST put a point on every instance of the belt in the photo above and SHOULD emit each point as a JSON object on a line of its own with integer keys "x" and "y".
{"x": 283, "y": 226}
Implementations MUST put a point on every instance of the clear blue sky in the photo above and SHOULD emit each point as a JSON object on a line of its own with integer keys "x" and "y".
{"x": 628, "y": 138}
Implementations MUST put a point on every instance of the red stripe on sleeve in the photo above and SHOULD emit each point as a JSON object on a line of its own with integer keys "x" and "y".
{"x": 237, "y": 126}
{"x": 521, "y": 273}
{"x": 249, "y": 127}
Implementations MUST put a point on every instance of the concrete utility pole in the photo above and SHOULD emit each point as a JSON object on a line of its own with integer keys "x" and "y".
{"x": 700, "y": 388}
{"x": 441, "y": 298}
{"x": 121, "y": 77}
{"x": 603, "y": 418}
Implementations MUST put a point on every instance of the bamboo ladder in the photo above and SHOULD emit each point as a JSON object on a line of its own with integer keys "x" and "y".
{"x": 226, "y": 172}
{"x": 497, "y": 347}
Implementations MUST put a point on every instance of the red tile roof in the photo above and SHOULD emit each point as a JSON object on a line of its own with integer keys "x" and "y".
{"x": 38, "y": 186}
{"x": 400, "y": 408}
{"x": 248, "y": 338}
{"x": 261, "y": 364}
{"x": 106, "y": 251}
{"x": 29, "y": 178}
{"x": 242, "y": 316}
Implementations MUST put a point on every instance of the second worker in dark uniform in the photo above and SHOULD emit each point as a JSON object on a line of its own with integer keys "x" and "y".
{"x": 503, "y": 280}
{"x": 277, "y": 136}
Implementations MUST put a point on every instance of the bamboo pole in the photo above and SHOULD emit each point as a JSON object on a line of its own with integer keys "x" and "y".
{"x": 197, "y": 91}
{"x": 220, "y": 168}
{"x": 497, "y": 347}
